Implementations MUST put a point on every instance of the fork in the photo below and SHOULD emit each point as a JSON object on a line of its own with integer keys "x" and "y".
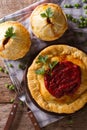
{"x": 20, "y": 92}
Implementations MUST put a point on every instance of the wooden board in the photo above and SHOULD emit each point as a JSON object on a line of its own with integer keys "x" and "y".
{"x": 78, "y": 121}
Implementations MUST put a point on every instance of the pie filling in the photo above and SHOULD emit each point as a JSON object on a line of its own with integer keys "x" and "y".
{"x": 64, "y": 79}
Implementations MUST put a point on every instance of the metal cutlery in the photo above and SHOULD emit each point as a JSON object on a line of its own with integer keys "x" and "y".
{"x": 21, "y": 95}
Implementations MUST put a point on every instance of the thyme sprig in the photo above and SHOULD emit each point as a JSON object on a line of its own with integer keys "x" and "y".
{"x": 40, "y": 71}
{"x": 10, "y": 32}
{"x": 48, "y": 13}
{"x": 53, "y": 64}
{"x": 44, "y": 60}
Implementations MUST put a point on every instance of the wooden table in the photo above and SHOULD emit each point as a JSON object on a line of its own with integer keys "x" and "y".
{"x": 77, "y": 121}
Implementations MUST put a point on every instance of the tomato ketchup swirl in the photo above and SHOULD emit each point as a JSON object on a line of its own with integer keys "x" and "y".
{"x": 65, "y": 78}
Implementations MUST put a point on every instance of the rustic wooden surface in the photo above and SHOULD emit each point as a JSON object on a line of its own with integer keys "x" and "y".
{"x": 77, "y": 121}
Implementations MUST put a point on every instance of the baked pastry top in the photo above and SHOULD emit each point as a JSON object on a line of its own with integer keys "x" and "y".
{"x": 48, "y": 21}
{"x": 57, "y": 79}
{"x": 14, "y": 40}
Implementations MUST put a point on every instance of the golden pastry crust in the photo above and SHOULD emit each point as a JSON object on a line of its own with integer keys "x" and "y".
{"x": 67, "y": 103}
{"x": 45, "y": 30}
{"x": 16, "y": 47}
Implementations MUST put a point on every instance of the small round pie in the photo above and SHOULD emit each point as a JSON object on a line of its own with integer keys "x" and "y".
{"x": 57, "y": 79}
{"x": 48, "y": 21}
{"x": 14, "y": 40}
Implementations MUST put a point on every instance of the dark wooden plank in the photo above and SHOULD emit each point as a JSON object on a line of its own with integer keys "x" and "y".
{"x": 21, "y": 121}
{"x": 10, "y": 6}
{"x": 5, "y": 94}
{"x": 78, "y": 121}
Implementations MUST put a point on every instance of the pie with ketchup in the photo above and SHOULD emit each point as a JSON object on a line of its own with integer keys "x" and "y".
{"x": 57, "y": 79}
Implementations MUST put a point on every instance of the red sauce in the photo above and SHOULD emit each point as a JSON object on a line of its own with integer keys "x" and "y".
{"x": 65, "y": 78}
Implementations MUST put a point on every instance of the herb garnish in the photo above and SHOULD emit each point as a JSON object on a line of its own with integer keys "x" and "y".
{"x": 1, "y": 69}
{"x": 77, "y": 5}
{"x": 21, "y": 103}
{"x": 70, "y": 121}
{"x": 40, "y": 71}
{"x": 10, "y": 32}
{"x": 12, "y": 100}
{"x": 6, "y": 71}
{"x": 67, "y": 6}
{"x": 42, "y": 59}
{"x": 48, "y": 13}
{"x": 85, "y": 7}
{"x": 81, "y": 22}
{"x": 84, "y": 1}
{"x": 53, "y": 64}
{"x": 10, "y": 87}
{"x": 21, "y": 66}
{"x": 10, "y": 65}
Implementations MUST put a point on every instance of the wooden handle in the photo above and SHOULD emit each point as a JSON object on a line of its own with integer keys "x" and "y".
{"x": 11, "y": 116}
{"x": 33, "y": 119}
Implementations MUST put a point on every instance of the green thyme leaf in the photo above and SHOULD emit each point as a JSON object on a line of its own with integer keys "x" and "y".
{"x": 40, "y": 71}
{"x": 1, "y": 69}
{"x": 43, "y": 15}
{"x": 21, "y": 66}
{"x": 11, "y": 100}
{"x": 70, "y": 121}
{"x": 10, "y": 65}
{"x": 6, "y": 71}
{"x": 68, "y": 6}
{"x": 77, "y": 5}
{"x": 85, "y": 7}
{"x": 42, "y": 59}
{"x": 10, "y": 32}
{"x": 69, "y": 16}
{"x": 84, "y": 1}
{"x": 21, "y": 103}
{"x": 48, "y": 13}
{"x": 7, "y": 85}
{"x": 53, "y": 64}
{"x": 11, "y": 87}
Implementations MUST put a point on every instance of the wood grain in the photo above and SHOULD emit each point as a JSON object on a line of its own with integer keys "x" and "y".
{"x": 77, "y": 121}
{"x": 10, "y": 6}
{"x": 20, "y": 122}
